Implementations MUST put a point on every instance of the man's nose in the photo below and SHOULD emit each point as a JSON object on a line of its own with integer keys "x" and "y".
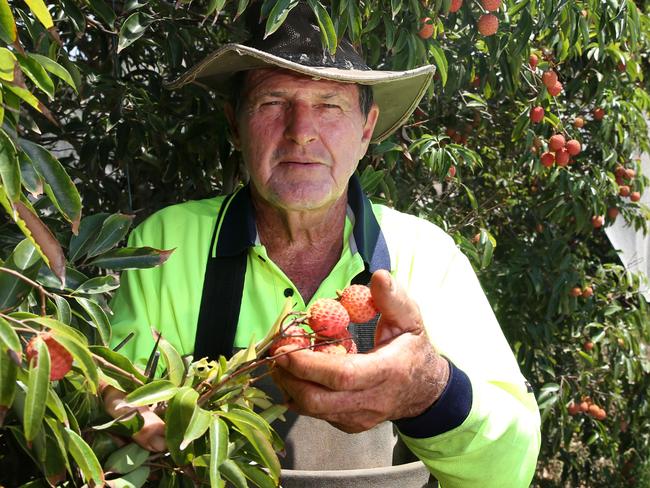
{"x": 301, "y": 127}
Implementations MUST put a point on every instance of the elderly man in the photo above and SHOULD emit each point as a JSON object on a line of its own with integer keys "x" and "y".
{"x": 439, "y": 371}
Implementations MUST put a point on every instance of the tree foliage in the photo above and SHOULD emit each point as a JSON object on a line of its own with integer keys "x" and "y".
{"x": 92, "y": 139}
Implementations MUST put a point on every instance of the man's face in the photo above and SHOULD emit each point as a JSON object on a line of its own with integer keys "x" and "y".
{"x": 301, "y": 139}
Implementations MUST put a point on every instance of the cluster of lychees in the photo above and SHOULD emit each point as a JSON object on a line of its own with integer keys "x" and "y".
{"x": 60, "y": 358}
{"x": 586, "y": 405}
{"x": 560, "y": 151}
{"x": 625, "y": 179}
{"x": 487, "y": 25}
{"x": 329, "y": 320}
{"x": 587, "y": 292}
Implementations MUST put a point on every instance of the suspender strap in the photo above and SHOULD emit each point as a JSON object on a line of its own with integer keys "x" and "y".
{"x": 223, "y": 286}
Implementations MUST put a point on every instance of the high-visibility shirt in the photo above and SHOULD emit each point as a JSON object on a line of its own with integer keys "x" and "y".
{"x": 484, "y": 431}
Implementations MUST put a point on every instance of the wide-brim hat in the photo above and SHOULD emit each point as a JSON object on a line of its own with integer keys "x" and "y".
{"x": 297, "y": 46}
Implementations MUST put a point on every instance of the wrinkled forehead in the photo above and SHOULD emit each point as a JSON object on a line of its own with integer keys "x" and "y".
{"x": 278, "y": 79}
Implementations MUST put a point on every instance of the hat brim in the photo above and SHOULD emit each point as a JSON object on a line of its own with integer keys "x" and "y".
{"x": 397, "y": 93}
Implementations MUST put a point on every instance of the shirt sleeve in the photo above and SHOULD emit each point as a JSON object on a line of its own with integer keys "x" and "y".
{"x": 484, "y": 430}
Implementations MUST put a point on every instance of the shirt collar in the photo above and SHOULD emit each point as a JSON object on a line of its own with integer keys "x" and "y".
{"x": 236, "y": 230}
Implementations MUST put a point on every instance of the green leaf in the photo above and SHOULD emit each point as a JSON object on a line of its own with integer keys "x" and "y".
{"x": 215, "y": 6}
{"x": 241, "y": 6}
{"x": 9, "y": 167}
{"x": 131, "y": 258}
{"x": 60, "y": 329}
{"x": 241, "y": 417}
{"x": 104, "y": 11}
{"x": 133, "y": 29}
{"x": 88, "y": 231}
{"x": 37, "y": 74}
{"x": 114, "y": 229}
{"x": 40, "y": 11}
{"x": 135, "y": 479}
{"x": 263, "y": 446}
{"x": 13, "y": 290}
{"x": 178, "y": 416}
{"x": 218, "y": 449}
{"x": 439, "y": 59}
{"x": 55, "y": 405}
{"x": 199, "y": 424}
{"x": 63, "y": 311}
{"x": 98, "y": 284}
{"x": 327, "y": 30}
{"x": 7, "y": 63}
{"x": 32, "y": 181}
{"x": 37, "y": 385}
{"x": 278, "y": 15}
{"x": 395, "y": 7}
{"x": 154, "y": 392}
{"x": 8, "y": 375}
{"x": 55, "y": 68}
{"x": 232, "y": 473}
{"x": 98, "y": 318}
{"x": 8, "y": 337}
{"x": 173, "y": 361}
{"x": 121, "y": 362}
{"x": 126, "y": 459}
{"x": 256, "y": 475}
{"x": 8, "y": 30}
{"x": 59, "y": 187}
{"x": 82, "y": 359}
{"x": 85, "y": 458}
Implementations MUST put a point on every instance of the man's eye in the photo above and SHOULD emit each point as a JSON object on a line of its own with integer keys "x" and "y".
{"x": 271, "y": 103}
{"x": 329, "y": 105}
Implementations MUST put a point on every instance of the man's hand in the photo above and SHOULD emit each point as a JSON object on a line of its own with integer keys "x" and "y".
{"x": 152, "y": 434}
{"x": 401, "y": 377}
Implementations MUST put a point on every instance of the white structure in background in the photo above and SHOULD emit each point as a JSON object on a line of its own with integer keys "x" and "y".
{"x": 634, "y": 247}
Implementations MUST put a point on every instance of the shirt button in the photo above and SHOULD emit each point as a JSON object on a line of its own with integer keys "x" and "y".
{"x": 288, "y": 292}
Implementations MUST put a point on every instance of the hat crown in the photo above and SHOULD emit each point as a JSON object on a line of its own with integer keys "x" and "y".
{"x": 298, "y": 39}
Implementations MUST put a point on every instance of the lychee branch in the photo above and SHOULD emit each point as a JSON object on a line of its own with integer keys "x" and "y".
{"x": 34, "y": 284}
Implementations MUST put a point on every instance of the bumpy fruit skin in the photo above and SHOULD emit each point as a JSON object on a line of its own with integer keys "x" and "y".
{"x": 556, "y": 89}
{"x": 533, "y": 60}
{"x": 624, "y": 190}
{"x": 344, "y": 339}
{"x": 548, "y": 159}
{"x": 573, "y": 147}
{"x": 327, "y": 317}
{"x": 549, "y": 78}
{"x": 60, "y": 358}
{"x": 491, "y": 5}
{"x": 357, "y": 300}
{"x": 455, "y": 5}
{"x": 537, "y": 114}
{"x": 598, "y": 114}
{"x": 556, "y": 142}
{"x": 293, "y": 335}
{"x": 488, "y": 24}
{"x": 562, "y": 157}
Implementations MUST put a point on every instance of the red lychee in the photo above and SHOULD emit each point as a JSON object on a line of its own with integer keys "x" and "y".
{"x": 624, "y": 190}
{"x": 455, "y": 5}
{"x": 556, "y": 89}
{"x": 597, "y": 221}
{"x": 635, "y": 196}
{"x": 562, "y": 157}
{"x": 327, "y": 317}
{"x": 60, "y": 358}
{"x": 357, "y": 300}
{"x": 549, "y": 78}
{"x": 556, "y": 142}
{"x": 344, "y": 338}
{"x": 598, "y": 114}
{"x": 491, "y": 5}
{"x": 548, "y": 159}
{"x": 537, "y": 114}
{"x": 533, "y": 60}
{"x": 630, "y": 173}
{"x": 612, "y": 213}
{"x": 292, "y": 335}
{"x": 578, "y": 122}
{"x": 426, "y": 28}
{"x": 573, "y": 147}
{"x": 488, "y": 24}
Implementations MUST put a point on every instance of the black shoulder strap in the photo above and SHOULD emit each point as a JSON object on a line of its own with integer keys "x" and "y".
{"x": 223, "y": 286}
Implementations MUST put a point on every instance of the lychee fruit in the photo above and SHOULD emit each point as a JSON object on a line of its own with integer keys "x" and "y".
{"x": 491, "y": 5}
{"x": 549, "y": 78}
{"x": 556, "y": 142}
{"x": 556, "y": 89}
{"x": 292, "y": 335}
{"x": 588, "y": 292}
{"x": 327, "y": 317}
{"x": 635, "y": 196}
{"x": 548, "y": 159}
{"x": 488, "y": 24}
{"x": 60, "y": 358}
{"x": 537, "y": 114}
{"x": 573, "y": 147}
{"x": 612, "y": 213}
{"x": 578, "y": 122}
{"x": 426, "y": 28}
{"x": 630, "y": 173}
{"x": 455, "y": 5}
{"x": 624, "y": 190}
{"x": 344, "y": 338}
{"x": 573, "y": 408}
{"x": 562, "y": 157}
{"x": 597, "y": 221}
{"x": 451, "y": 173}
{"x": 598, "y": 114}
{"x": 533, "y": 60}
{"x": 357, "y": 300}
{"x": 575, "y": 291}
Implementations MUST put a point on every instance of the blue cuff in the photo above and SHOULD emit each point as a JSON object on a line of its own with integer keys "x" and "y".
{"x": 447, "y": 412}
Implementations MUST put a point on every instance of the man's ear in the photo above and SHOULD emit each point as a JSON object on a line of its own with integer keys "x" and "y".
{"x": 369, "y": 128}
{"x": 231, "y": 118}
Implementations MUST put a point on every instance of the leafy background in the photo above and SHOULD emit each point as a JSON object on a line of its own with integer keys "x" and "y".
{"x": 84, "y": 105}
